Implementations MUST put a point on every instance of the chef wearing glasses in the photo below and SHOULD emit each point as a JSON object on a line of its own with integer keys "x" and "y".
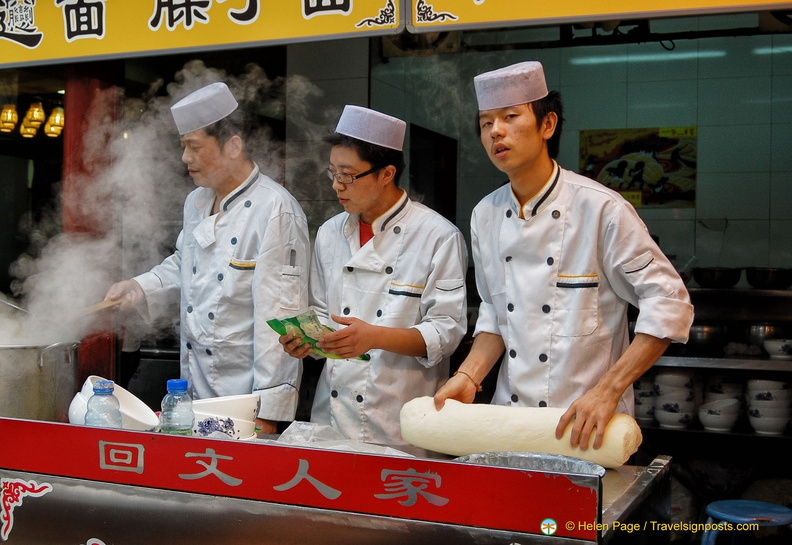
{"x": 388, "y": 274}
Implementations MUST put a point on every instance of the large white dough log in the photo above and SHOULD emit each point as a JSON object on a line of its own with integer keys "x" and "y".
{"x": 461, "y": 428}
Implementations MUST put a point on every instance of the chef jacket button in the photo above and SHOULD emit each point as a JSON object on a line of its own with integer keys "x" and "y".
{"x": 543, "y": 403}
{"x": 510, "y": 307}
{"x": 556, "y": 214}
{"x": 508, "y": 258}
{"x": 346, "y": 310}
{"x": 359, "y": 398}
{"x": 248, "y": 204}
{"x": 514, "y": 398}
{"x": 334, "y": 393}
{"x": 550, "y": 260}
{"x": 350, "y": 269}
{"x": 508, "y": 213}
{"x": 189, "y": 308}
{"x": 389, "y": 270}
{"x": 512, "y": 353}
{"x": 195, "y": 270}
{"x": 543, "y": 357}
{"x": 233, "y": 240}
{"x": 211, "y": 315}
{"x": 220, "y": 277}
{"x": 189, "y": 346}
{"x": 397, "y": 229}
{"x": 545, "y": 308}
{"x": 208, "y": 352}
{"x": 379, "y": 314}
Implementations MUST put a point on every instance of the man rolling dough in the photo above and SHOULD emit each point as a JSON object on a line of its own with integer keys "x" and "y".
{"x": 558, "y": 260}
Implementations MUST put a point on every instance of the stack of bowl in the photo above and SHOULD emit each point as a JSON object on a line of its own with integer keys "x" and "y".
{"x": 643, "y": 389}
{"x": 769, "y": 409}
{"x": 135, "y": 415}
{"x": 226, "y": 417}
{"x": 675, "y": 398}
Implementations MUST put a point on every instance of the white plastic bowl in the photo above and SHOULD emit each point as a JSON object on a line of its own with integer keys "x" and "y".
{"x": 768, "y": 426}
{"x": 222, "y": 427}
{"x": 135, "y": 415}
{"x": 673, "y": 420}
{"x": 717, "y": 422}
{"x": 722, "y": 406}
{"x": 242, "y": 406}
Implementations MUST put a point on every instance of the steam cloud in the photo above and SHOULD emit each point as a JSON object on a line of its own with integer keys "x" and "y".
{"x": 134, "y": 201}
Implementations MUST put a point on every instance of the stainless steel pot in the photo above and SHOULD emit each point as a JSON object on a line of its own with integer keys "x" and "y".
{"x": 38, "y": 382}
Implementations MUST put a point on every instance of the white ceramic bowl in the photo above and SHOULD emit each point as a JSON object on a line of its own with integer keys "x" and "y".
{"x": 758, "y": 384}
{"x": 760, "y": 404}
{"x": 644, "y": 407}
{"x": 222, "y": 427}
{"x": 769, "y": 426}
{"x": 769, "y": 412}
{"x": 722, "y": 406}
{"x": 243, "y": 406}
{"x": 673, "y": 392}
{"x": 674, "y": 405}
{"x": 781, "y": 396}
{"x": 713, "y": 396}
{"x": 717, "y": 422}
{"x": 779, "y": 349}
{"x": 135, "y": 415}
{"x": 679, "y": 378}
{"x": 732, "y": 388}
{"x": 644, "y": 384}
{"x": 673, "y": 420}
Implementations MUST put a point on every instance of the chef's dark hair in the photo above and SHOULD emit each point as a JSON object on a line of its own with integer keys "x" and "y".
{"x": 377, "y": 156}
{"x": 542, "y": 107}
{"x": 237, "y": 122}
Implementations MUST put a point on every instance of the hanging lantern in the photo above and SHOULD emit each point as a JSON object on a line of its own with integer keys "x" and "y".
{"x": 35, "y": 115}
{"x": 27, "y": 131}
{"x": 57, "y": 118}
{"x": 8, "y": 118}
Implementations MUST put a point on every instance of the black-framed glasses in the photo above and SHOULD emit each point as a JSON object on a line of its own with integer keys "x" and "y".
{"x": 347, "y": 179}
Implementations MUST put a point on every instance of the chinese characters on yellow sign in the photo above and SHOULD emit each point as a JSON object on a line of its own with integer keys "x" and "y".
{"x": 38, "y": 31}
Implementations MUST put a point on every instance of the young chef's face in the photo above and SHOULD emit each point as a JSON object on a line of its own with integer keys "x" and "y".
{"x": 206, "y": 160}
{"x": 366, "y": 195}
{"x": 513, "y": 139}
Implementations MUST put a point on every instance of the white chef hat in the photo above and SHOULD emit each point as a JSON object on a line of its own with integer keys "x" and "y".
{"x": 519, "y": 83}
{"x": 372, "y": 126}
{"x": 203, "y": 107}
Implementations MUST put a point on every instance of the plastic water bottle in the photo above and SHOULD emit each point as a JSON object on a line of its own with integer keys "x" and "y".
{"x": 103, "y": 407}
{"x": 177, "y": 413}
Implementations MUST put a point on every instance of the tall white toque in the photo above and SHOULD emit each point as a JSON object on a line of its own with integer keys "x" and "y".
{"x": 519, "y": 83}
{"x": 372, "y": 126}
{"x": 203, "y": 107}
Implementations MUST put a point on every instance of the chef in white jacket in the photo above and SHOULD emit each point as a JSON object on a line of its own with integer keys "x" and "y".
{"x": 558, "y": 259}
{"x": 241, "y": 259}
{"x": 388, "y": 274}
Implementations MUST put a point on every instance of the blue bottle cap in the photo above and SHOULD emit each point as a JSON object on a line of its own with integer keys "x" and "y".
{"x": 177, "y": 385}
{"x": 103, "y": 386}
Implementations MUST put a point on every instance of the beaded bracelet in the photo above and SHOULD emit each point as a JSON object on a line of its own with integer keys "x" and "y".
{"x": 476, "y": 384}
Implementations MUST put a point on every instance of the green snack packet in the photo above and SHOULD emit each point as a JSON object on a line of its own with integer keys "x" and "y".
{"x": 307, "y": 326}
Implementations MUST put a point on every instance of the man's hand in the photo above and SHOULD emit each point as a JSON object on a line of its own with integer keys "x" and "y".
{"x": 350, "y": 341}
{"x": 128, "y": 292}
{"x": 588, "y": 415}
{"x": 458, "y": 387}
{"x": 295, "y": 346}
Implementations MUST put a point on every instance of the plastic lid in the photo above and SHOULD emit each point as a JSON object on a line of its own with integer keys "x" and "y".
{"x": 177, "y": 385}
{"x": 103, "y": 386}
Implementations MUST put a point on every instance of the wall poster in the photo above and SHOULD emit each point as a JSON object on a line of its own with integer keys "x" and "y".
{"x": 650, "y": 167}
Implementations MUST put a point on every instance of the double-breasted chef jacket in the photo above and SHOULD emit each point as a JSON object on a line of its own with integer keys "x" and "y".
{"x": 410, "y": 274}
{"x": 557, "y": 284}
{"x": 236, "y": 269}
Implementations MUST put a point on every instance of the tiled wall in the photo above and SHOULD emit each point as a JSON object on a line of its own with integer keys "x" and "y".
{"x": 736, "y": 90}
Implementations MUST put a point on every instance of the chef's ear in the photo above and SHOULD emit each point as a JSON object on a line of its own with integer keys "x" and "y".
{"x": 235, "y": 146}
{"x": 388, "y": 173}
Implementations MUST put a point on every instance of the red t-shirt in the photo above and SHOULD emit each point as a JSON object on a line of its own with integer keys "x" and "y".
{"x": 366, "y": 233}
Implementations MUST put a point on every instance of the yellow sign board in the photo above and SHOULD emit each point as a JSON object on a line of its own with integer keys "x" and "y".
{"x": 434, "y": 15}
{"x": 45, "y": 31}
